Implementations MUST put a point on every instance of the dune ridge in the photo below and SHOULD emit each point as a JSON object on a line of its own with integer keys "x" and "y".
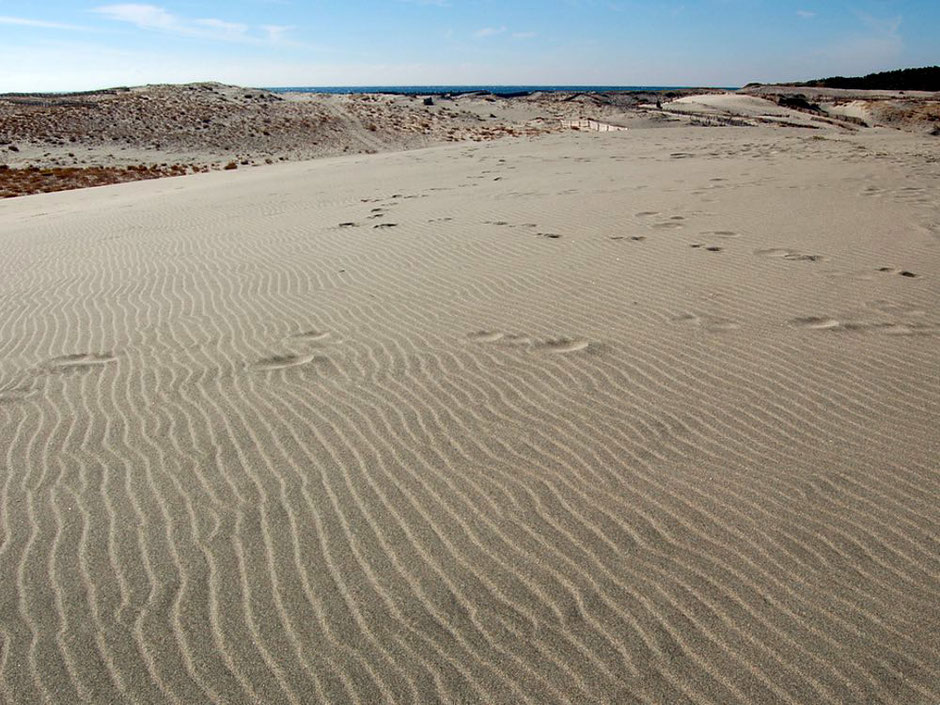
{"x": 643, "y": 416}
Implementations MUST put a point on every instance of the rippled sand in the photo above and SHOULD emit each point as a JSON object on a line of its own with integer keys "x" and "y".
{"x": 643, "y": 416}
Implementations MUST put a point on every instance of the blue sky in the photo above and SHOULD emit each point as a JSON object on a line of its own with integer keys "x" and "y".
{"x": 75, "y": 45}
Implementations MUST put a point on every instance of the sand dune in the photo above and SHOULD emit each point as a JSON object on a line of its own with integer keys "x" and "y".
{"x": 644, "y": 416}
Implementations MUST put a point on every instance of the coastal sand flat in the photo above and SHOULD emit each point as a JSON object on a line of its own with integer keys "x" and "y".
{"x": 629, "y": 417}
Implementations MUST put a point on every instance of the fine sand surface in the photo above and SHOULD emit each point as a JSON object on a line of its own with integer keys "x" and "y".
{"x": 627, "y": 417}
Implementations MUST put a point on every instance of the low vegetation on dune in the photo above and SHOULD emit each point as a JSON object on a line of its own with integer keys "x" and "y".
{"x": 30, "y": 180}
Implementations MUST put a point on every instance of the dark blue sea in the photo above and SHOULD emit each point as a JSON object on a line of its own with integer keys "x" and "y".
{"x": 438, "y": 90}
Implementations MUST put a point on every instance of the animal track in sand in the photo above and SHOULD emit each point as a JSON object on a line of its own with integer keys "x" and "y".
{"x": 646, "y": 214}
{"x": 550, "y": 236}
{"x": 385, "y": 225}
{"x": 709, "y": 248}
{"x": 633, "y": 238}
{"x": 80, "y": 361}
{"x": 729, "y": 234}
{"x": 348, "y": 224}
{"x": 668, "y": 225}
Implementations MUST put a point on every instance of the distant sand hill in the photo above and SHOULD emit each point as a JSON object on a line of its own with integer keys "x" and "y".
{"x": 55, "y": 142}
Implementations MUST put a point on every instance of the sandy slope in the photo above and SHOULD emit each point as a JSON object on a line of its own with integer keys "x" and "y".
{"x": 629, "y": 417}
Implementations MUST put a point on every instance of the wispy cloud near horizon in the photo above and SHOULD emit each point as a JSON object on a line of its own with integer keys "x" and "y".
{"x": 27, "y": 22}
{"x": 156, "y": 18}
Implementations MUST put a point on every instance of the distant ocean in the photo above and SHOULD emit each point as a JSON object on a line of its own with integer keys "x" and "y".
{"x": 496, "y": 90}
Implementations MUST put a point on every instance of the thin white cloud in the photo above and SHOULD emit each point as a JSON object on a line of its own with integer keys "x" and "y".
{"x": 523, "y": 35}
{"x": 143, "y": 16}
{"x": 489, "y": 32}
{"x": 884, "y": 26}
{"x": 276, "y": 32}
{"x": 156, "y": 18}
{"x": 26, "y": 22}
{"x": 806, "y": 14}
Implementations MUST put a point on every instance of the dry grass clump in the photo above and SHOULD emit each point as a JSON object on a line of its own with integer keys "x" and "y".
{"x": 29, "y": 180}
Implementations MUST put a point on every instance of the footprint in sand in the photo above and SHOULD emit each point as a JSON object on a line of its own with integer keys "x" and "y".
{"x": 816, "y": 323}
{"x": 550, "y": 236}
{"x": 709, "y": 248}
{"x": 284, "y": 362}
{"x": 674, "y": 223}
{"x": 790, "y": 255}
{"x": 385, "y": 225}
{"x": 888, "y": 328}
{"x": 646, "y": 214}
{"x": 901, "y": 272}
{"x": 314, "y": 336}
{"x": 281, "y": 362}
{"x": 560, "y": 345}
{"x": 80, "y": 361}
{"x": 712, "y": 324}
